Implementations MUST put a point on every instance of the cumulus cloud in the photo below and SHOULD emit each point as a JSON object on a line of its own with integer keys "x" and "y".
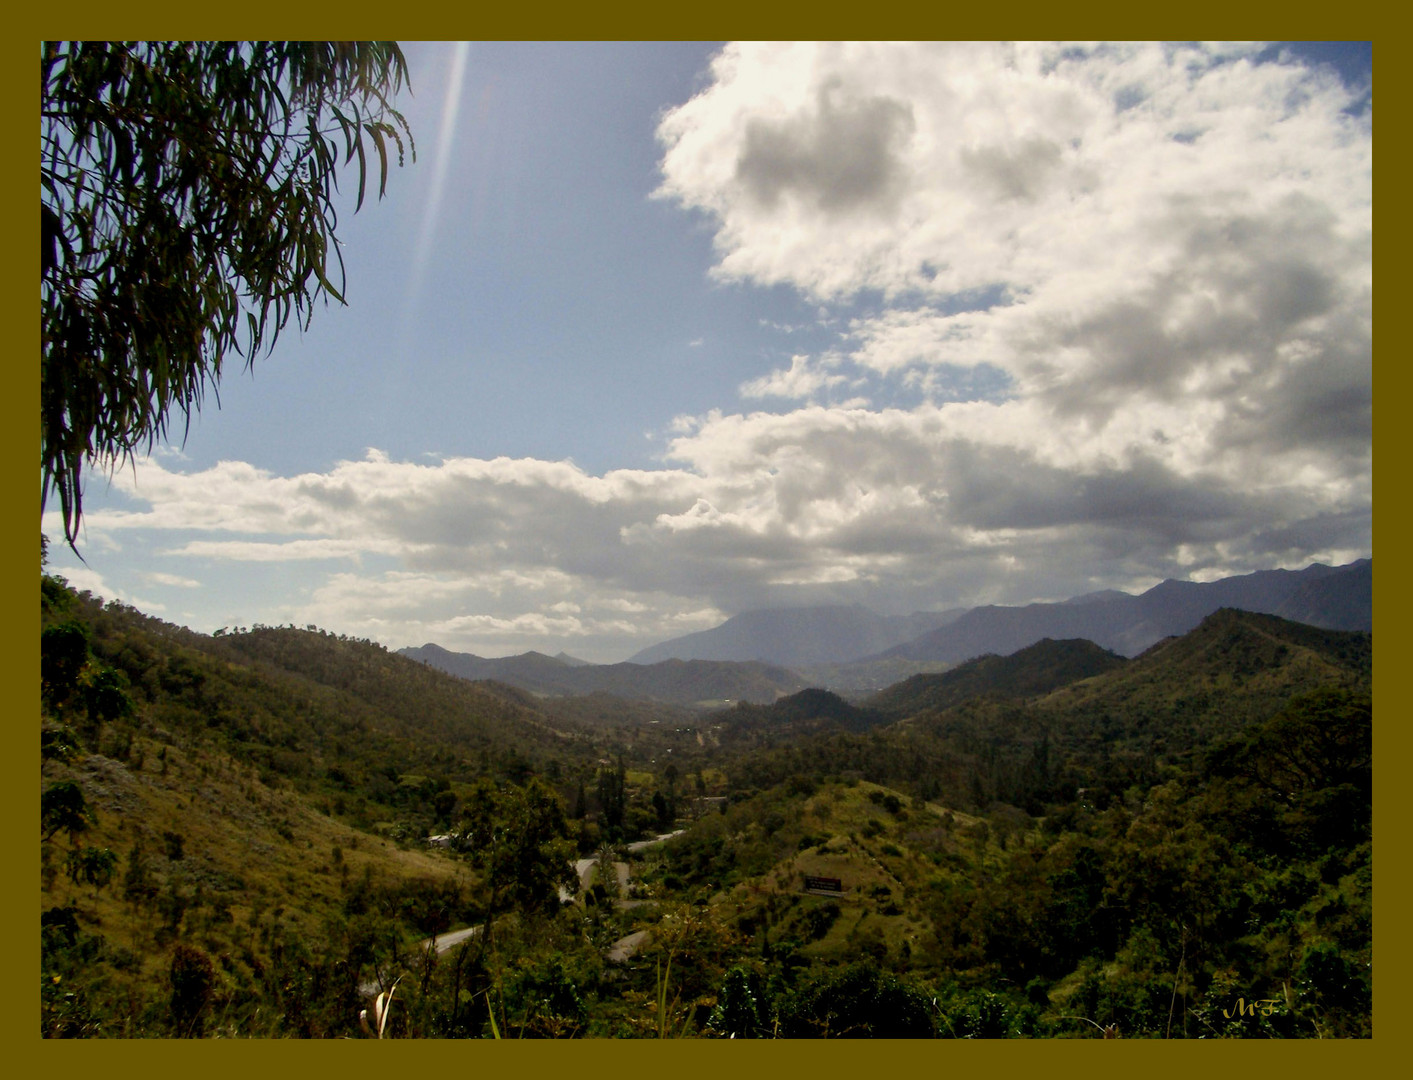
{"x": 1024, "y": 164}
{"x": 1154, "y": 260}
{"x": 842, "y": 156}
{"x": 804, "y": 378}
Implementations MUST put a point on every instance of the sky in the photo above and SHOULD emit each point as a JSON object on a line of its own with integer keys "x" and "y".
{"x": 653, "y": 334}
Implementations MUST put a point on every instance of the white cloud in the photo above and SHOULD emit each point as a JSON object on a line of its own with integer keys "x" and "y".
{"x": 84, "y": 579}
{"x": 1128, "y": 289}
{"x": 1021, "y": 164}
{"x": 803, "y": 379}
{"x": 157, "y": 577}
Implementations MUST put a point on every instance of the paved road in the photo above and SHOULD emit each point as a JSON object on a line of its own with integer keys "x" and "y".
{"x": 625, "y": 947}
{"x": 618, "y": 952}
{"x": 444, "y": 943}
{"x": 455, "y": 938}
{"x": 662, "y": 838}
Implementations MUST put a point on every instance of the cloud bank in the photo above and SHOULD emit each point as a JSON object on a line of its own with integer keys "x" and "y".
{"x": 1117, "y": 298}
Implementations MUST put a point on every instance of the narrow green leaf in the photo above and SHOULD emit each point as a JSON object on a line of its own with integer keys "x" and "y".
{"x": 362, "y": 171}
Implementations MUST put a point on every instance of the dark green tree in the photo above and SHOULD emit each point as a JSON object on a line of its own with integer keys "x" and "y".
{"x": 92, "y": 865}
{"x": 173, "y": 844}
{"x": 62, "y": 807}
{"x": 63, "y": 652}
{"x": 187, "y": 212}
{"x": 613, "y": 797}
{"x": 105, "y": 695}
{"x": 522, "y": 840}
{"x": 742, "y": 1008}
{"x": 193, "y": 977}
{"x": 139, "y": 885}
{"x": 57, "y": 744}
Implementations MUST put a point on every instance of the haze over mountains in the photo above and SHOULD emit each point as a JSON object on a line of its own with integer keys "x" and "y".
{"x": 681, "y": 682}
{"x": 759, "y": 656}
{"x": 1334, "y": 598}
{"x": 828, "y": 634}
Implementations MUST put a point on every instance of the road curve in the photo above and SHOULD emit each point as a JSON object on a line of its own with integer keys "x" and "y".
{"x": 618, "y": 952}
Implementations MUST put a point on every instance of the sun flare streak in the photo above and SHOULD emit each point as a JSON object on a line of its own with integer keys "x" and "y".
{"x": 446, "y": 137}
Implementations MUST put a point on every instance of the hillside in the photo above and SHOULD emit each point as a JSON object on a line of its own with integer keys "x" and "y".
{"x": 1037, "y": 669}
{"x": 330, "y": 715}
{"x": 1251, "y": 871}
{"x": 1237, "y": 667}
{"x": 205, "y": 808}
{"x": 808, "y": 713}
{"x": 1107, "y": 732}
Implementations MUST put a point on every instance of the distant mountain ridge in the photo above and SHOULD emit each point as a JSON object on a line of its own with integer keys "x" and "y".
{"x": 1332, "y": 598}
{"x": 825, "y": 634}
{"x": 681, "y": 682}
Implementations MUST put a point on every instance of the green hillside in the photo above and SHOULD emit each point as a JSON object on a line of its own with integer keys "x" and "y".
{"x": 1037, "y": 669}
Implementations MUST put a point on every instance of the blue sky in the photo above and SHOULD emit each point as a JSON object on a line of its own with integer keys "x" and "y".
{"x": 651, "y": 334}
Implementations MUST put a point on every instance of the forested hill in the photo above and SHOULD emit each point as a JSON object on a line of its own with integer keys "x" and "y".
{"x": 311, "y": 705}
{"x": 1047, "y": 665}
{"x": 1164, "y": 707}
{"x": 1107, "y": 732}
{"x": 1236, "y": 668}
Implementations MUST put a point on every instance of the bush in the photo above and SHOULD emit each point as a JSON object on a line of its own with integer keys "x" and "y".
{"x": 192, "y": 976}
{"x": 857, "y": 1002}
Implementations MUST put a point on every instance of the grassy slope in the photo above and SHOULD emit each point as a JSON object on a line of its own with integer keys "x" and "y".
{"x": 259, "y": 868}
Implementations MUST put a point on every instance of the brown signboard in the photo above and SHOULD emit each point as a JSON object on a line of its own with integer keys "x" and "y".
{"x": 824, "y": 884}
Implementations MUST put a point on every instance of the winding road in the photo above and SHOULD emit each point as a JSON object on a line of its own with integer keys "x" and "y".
{"x": 618, "y": 952}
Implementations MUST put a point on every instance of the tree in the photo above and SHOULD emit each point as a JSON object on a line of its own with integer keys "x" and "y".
{"x": 522, "y": 841}
{"x": 613, "y": 797}
{"x": 186, "y": 212}
{"x": 92, "y": 865}
{"x": 139, "y": 887}
{"x": 63, "y": 652}
{"x": 63, "y": 807}
{"x": 193, "y": 977}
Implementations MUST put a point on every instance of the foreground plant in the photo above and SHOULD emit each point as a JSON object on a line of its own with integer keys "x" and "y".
{"x": 382, "y": 1005}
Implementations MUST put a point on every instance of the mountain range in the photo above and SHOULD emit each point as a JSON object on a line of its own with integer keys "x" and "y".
{"x": 1333, "y": 598}
{"x": 794, "y": 637}
{"x": 759, "y": 656}
{"x": 680, "y": 682}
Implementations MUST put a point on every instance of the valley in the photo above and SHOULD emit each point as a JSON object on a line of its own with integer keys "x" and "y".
{"x": 1055, "y": 842}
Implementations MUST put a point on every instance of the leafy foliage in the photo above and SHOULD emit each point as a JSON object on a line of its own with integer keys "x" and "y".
{"x": 187, "y": 211}
{"x": 522, "y": 841}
